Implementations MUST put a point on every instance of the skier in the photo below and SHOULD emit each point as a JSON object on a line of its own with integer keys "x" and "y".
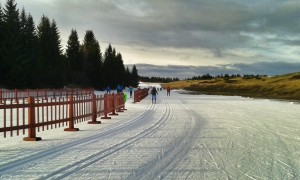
{"x": 130, "y": 91}
{"x": 107, "y": 89}
{"x": 119, "y": 89}
{"x": 168, "y": 91}
{"x": 154, "y": 93}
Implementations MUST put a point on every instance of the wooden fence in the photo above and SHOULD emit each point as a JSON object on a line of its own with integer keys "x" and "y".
{"x": 35, "y": 114}
{"x": 140, "y": 94}
{"x": 46, "y": 93}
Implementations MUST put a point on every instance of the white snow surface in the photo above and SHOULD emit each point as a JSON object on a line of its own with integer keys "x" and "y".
{"x": 144, "y": 85}
{"x": 181, "y": 137}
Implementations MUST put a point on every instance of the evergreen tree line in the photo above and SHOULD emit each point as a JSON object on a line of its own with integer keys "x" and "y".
{"x": 32, "y": 56}
{"x": 157, "y": 79}
{"x": 208, "y": 76}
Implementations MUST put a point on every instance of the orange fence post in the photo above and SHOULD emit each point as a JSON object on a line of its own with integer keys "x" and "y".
{"x": 119, "y": 98}
{"x": 106, "y": 108}
{"x": 16, "y": 95}
{"x": 136, "y": 96}
{"x": 113, "y": 112}
{"x": 1, "y": 95}
{"x": 94, "y": 116}
{"x": 31, "y": 122}
{"x": 71, "y": 116}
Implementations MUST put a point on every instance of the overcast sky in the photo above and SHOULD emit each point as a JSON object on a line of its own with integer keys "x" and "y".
{"x": 216, "y": 35}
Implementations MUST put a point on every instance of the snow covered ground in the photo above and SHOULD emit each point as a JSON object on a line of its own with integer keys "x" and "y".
{"x": 181, "y": 137}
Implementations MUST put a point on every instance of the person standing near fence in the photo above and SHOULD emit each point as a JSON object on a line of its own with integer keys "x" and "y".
{"x": 119, "y": 89}
{"x": 168, "y": 91}
{"x": 130, "y": 91}
{"x": 154, "y": 93}
{"x": 107, "y": 89}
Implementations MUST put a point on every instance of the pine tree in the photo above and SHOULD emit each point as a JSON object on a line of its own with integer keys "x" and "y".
{"x": 28, "y": 44}
{"x": 92, "y": 60}
{"x": 31, "y": 54}
{"x": 44, "y": 54}
{"x": 113, "y": 68}
{"x": 1, "y": 47}
{"x": 75, "y": 61}
{"x": 73, "y": 51}
{"x": 134, "y": 76}
{"x": 58, "y": 72}
{"x": 50, "y": 60}
{"x": 120, "y": 69}
{"x": 12, "y": 51}
{"x": 127, "y": 77}
{"x": 108, "y": 67}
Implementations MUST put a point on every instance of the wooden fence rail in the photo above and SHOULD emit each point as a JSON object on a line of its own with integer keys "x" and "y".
{"x": 16, "y": 94}
{"x": 34, "y": 114}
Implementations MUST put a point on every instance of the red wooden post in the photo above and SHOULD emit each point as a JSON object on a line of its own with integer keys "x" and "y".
{"x": 106, "y": 108}
{"x": 31, "y": 122}
{"x": 114, "y": 98}
{"x": 71, "y": 116}
{"x": 119, "y": 97}
{"x": 94, "y": 116}
{"x": 137, "y": 95}
{"x": 16, "y": 95}
{"x": 1, "y": 95}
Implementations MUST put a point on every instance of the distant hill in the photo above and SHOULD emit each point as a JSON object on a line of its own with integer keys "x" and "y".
{"x": 276, "y": 87}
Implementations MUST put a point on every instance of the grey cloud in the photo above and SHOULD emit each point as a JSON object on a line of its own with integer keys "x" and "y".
{"x": 212, "y": 25}
{"x": 175, "y": 23}
{"x": 217, "y": 52}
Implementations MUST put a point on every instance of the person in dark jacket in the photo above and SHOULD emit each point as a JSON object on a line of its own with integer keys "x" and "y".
{"x": 130, "y": 90}
{"x": 107, "y": 89}
{"x": 168, "y": 91}
{"x": 153, "y": 93}
{"x": 119, "y": 89}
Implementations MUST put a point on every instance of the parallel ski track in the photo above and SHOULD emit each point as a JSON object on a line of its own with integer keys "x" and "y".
{"x": 163, "y": 165}
{"x": 23, "y": 162}
{"x": 73, "y": 168}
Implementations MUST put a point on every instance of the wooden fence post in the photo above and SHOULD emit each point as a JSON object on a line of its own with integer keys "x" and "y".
{"x": 16, "y": 95}
{"x": 113, "y": 113}
{"x": 136, "y": 94}
{"x": 94, "y": 108}
{"x": 1, "y": 95}
{"x": 71, "y": 116}
{"x": 31, "y": 122}
{"x": 106, "y": 108}
{"x": 119, "y": 97}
